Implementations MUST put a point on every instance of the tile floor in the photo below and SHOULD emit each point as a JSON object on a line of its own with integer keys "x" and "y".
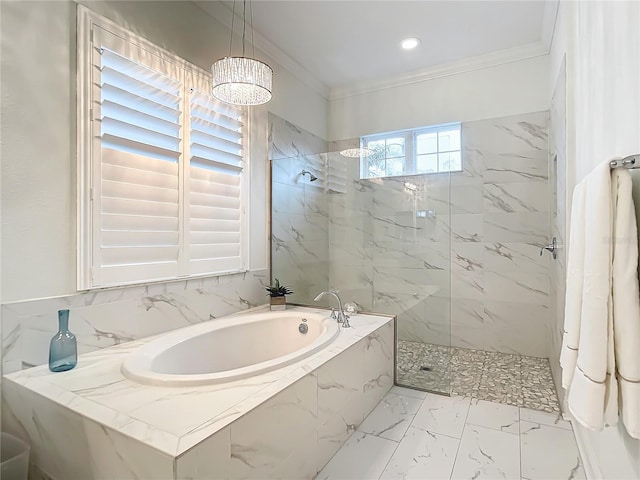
{"x": 418, "y": 435}
{"x": 498, "y": 377}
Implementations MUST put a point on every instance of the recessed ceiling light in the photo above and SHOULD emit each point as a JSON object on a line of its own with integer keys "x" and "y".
{"x": 410, "y": 43}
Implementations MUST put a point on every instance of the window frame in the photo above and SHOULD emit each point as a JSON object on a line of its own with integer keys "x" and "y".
{"x": 410, "y": 149}
{"x": 87, "y": 161}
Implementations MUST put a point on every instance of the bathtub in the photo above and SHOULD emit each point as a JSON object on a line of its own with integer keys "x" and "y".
{"x": 230, "y": 349}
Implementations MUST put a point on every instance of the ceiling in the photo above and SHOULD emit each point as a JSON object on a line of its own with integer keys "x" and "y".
{"x": 342, "y": 43}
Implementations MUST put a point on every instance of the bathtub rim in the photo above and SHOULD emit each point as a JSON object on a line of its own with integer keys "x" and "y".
{"x": 137, "y": 365}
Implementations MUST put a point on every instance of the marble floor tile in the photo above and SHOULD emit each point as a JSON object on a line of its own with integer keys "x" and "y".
{"x": 391, "y": 418}
{"x": 487, "y": 453}
{"x": 444, "y": 415}
{"x": 362, "y": 456}
{"x": 544, "y": 418}
{"x": 549, "y": 453}
{"x": 422, "y": 455}
{"x": 504, "y": 418}
{"x": 408, "y": 392}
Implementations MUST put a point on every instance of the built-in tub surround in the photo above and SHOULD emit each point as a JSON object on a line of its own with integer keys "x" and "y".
{"x": 92, "y": 422}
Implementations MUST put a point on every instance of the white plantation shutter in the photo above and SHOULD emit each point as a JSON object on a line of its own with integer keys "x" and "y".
{"x": 215, "y": 226}
{"x": 166, "y": 169}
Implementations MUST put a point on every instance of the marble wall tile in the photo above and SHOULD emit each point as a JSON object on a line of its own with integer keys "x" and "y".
{"x": 467, "y": 228}
{"x": 289, "y": 140}
{"x": 467, "y": 256}
{"x": 518, "y": 287}
{"x": 378, "y": 373}
{"x": 515, "y": 257}
{"x": 468, "y": 285}
{"x": 517, "y": 328}
{"x": 66, "y": 445}
{"x": 516, "y": 197}
{"x": 521, "y": 227}
{"x": 281, "y": 428}
{"x": 525, "y": 167}
{"x": 340, "y": 390}
{"x": 118, "y": 319}
{"x": 209, "y": 459}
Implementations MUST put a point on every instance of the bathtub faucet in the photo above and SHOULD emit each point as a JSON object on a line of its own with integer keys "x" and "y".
{"x": 342, "y": 317}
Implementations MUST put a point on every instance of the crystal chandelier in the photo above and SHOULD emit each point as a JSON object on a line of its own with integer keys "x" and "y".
{"x": 356, "y": 152}
{"x": 241, "y": 80}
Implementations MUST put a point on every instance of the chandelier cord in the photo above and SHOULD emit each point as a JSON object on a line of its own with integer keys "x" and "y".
{"x": 244, "y": 25}
{"x": 253, "y": 43}
{"x": 233, "y": 19}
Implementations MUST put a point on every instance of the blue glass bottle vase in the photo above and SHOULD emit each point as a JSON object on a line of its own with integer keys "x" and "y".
{"x": 63, "y": 350}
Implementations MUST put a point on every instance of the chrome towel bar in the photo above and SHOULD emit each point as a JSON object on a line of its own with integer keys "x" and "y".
{"x": 632, "y": 161}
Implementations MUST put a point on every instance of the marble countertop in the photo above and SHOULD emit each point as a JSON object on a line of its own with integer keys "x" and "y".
{"x": 173, "y": 419}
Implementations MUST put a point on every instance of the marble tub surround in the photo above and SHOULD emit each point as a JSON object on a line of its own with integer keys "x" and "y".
{"x": 101, "y": 411}
{"x": 104, "y": 318}
{"x": 498, "y": 377}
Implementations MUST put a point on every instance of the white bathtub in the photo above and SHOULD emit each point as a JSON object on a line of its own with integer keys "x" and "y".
{"x": 228, "y": 349}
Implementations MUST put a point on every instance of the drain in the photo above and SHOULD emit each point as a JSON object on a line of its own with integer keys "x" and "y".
{"x": 425, "y": 369}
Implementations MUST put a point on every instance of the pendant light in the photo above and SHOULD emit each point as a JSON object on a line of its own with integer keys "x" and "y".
{"x": 242, "y": 80}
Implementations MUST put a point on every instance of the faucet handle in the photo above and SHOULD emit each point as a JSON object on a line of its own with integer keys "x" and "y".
{"x": 345, "y": 323}
{"x": 333, "y": 314}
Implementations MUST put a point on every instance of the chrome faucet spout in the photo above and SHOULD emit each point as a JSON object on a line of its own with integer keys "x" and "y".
{"x": 342, "y": 317}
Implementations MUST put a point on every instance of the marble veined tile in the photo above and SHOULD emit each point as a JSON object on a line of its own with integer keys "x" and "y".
{"x": 515, "y": 257}
{"x": 467, "y": 228}
{"x": 549, "y": 453}
{"x": 504, "y": 418}
{"x": 469, "y": 285}
{"x": 209, "y": 459}
{"x": 340, "y": 392}
{"x": 487, "y": 453}
{"x": 391, "y": 418}
{"x": 467, "y": 256}
{"x": 544, "y": 418}
{"x": 408, "y": 392}
{"x": 521, "y": 167}
{"x": 422, "y": 455}
{"x": 516, "y": 197}
{"x": 363, "y": 456}
{"x": 525, "y": 227}
{"x": 517, "y": 287}
{"x": 443, "y": 415}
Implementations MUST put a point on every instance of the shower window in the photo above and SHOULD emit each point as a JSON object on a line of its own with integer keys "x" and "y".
{"x": 434, "y": 149}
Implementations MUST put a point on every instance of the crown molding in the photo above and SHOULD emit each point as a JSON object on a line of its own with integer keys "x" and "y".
{"x": 469, "y": 64}
{"x": 223, "y": 14}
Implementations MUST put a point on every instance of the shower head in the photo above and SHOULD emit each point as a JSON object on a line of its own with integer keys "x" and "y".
{"x": 312, "y": 177}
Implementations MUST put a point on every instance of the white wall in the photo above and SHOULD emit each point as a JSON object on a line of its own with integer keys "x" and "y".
{"x": 39, "y": 126}
{"x": 601, "y": 41}
{"x": 491, "y": 92}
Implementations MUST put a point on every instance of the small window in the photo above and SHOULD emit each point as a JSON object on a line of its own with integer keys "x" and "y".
{"x": 433, "y": 149}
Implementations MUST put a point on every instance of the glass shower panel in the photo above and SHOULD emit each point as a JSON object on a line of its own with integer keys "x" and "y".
{"x": 384, "y": 243}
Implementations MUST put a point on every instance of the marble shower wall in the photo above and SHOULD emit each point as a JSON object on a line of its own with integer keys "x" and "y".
{"x": 299, "y": 219}
{"x": 104, "y": 318}
{"x": 459, "y": 264}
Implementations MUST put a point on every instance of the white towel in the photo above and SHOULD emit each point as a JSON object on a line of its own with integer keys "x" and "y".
{"x": 602, "y": 309}
{"x": 626, "y": 301}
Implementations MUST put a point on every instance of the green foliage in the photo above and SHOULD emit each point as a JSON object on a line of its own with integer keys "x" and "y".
{"x": 278, "y": 290}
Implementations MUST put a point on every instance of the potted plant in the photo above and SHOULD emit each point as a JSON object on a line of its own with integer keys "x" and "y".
{"x": 278, "y": 295}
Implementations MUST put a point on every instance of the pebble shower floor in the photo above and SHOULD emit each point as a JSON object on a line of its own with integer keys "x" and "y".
{"x": 498, "y": 377}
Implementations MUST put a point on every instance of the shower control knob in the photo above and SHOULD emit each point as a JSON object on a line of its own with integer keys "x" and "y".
{"x": 552, "y": 247}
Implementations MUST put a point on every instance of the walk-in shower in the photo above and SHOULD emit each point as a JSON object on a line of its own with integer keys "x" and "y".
{"x": 454, "y": 255}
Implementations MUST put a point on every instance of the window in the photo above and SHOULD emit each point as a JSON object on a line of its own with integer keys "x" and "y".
{"x": 162, "y": 182}
{"x": 433, "y": 149}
